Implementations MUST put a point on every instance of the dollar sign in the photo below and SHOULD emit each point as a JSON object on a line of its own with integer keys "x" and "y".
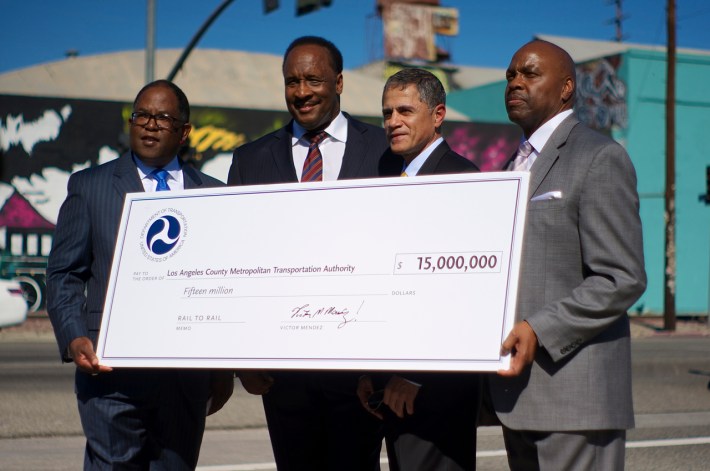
{"x": 399, "y": 265}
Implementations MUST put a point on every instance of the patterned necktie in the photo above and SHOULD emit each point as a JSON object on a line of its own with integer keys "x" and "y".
{"x": 161, "y": 176}
{"x": 313, "y": 166}
{"x": 520, "y": 164}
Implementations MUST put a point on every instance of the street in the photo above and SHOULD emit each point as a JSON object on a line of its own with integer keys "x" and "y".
{"x": 40, "y": 428}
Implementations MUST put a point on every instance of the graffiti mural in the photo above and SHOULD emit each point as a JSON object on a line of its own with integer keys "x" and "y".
{"x": 489, "y": 146}
{"x": 601, "y": 95}
{"x": 44, "y": 140}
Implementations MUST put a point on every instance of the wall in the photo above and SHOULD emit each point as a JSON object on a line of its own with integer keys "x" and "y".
{"x": 645, "y": 75}
{"x": 44, "y": 140}
{"x": 624, "y": 96}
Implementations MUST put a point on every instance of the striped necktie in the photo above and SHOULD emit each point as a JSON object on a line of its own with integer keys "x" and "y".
{"x": 313, "y": 166}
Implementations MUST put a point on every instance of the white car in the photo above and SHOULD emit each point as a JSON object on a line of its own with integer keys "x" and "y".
{"x": 13, "y": 307}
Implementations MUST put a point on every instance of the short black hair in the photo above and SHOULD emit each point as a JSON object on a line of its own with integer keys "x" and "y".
{"x": 183, "y": 104}
{"x": 336, "y": 58}
{"x": 431, "y": 91}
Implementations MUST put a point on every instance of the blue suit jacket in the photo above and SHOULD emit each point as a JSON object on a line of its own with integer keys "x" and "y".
{"x": 84, "y": 242}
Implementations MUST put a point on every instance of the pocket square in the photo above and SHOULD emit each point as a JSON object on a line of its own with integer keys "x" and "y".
{"x": 550, "y": 195}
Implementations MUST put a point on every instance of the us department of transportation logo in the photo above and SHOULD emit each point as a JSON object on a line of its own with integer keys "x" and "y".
{"x": 163, "y": 234}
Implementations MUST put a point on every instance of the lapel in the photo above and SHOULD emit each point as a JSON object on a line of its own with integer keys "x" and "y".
{"x": 432, "y": 162}
{"x": 355, "y": 150}
{"x": 281, "y": 153}
{"x": 191, "y": 178}
{"x": 125, "y": 176}
{"x": 550, "y": 153}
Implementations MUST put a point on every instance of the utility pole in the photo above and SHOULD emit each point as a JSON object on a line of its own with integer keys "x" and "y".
{"x": 618, "y": 19}
{"x": 669, "y": 314}
{"x": 150, "y": 41}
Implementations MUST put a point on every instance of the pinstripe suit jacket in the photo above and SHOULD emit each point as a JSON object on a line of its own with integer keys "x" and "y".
{"x": 582, "y": 268}
{"x": 84, "y": 242}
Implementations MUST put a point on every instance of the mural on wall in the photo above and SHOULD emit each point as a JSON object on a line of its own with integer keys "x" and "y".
{"x": 489, "y": 146}
{"x": 601, "y": 95}
{"x": 44, "y": 140}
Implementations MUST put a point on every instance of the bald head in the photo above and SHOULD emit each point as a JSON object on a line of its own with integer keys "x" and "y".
{"x": 541, "y": 84}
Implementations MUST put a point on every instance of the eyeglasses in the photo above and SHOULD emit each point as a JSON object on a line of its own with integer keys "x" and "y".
{"x": 162, "y": 121}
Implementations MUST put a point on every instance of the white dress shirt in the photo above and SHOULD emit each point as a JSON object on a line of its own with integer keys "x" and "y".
{"x": 540, "y": 137}
{"x": 175, "y": 180}
{"x": 332, "y": 148}
{"x": 413, "y": 168}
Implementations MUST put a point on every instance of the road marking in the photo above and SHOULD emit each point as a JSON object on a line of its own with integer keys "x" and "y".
{"x": 238, "y": 467}
{"x": 669, "y": 442}
{"x": 479, "y": 454}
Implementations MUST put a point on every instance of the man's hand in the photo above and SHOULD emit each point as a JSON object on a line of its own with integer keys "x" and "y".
{"x": 400, "y": 395}
{"x": 221, "y": 388}
{"x": 257, "y": 382}
{"x": 82, "y": 352}
{"x": 364, "y": 391}
{"x": 521, "y": 343}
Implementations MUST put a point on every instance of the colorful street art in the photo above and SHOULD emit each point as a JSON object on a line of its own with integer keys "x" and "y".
{"x": 601, "y": 95}
{"x": 44, "y": 140}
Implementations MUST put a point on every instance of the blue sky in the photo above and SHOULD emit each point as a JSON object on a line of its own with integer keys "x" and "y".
{"x": 37, "y": 31}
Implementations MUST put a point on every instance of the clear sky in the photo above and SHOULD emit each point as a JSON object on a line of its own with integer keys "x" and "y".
{"x": 37, "y": 31}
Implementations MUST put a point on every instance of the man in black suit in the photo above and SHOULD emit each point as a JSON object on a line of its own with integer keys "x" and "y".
{"x": 314, "y": 417}
{"x": 430, "y": 418}
{"x": 132, "y": 418}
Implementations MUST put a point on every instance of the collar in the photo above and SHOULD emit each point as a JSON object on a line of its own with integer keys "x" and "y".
{"x": 415, "y": 165}
{"x": 337, "y": 130}
{"x": 144, "y": 170}
{"x": 540, "y": 137}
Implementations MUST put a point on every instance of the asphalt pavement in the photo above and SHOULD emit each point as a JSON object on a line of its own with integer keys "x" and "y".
{"x": 40, "y": 430}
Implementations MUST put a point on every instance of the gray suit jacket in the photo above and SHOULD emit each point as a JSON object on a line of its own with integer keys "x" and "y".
{"x": 84, "y": 241}
{"x": 582, "y": 268}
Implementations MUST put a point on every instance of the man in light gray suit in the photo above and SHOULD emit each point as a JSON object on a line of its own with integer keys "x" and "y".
{"x": 565, "y": 402}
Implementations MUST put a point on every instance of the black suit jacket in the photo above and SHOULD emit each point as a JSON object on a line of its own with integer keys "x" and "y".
{"x": 442, "y": 160}
{"x": 84, "y": 241}
{"x": 269, "y": 159}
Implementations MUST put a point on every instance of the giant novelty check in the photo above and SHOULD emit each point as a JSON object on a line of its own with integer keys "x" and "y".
{"x": 383, "y": 274}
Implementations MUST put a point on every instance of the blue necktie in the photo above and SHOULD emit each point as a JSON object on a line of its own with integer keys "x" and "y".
{"x": 161, "y": 175}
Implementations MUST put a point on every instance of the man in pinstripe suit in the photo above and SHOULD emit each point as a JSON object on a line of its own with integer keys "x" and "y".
{"x": 132, "y": 418}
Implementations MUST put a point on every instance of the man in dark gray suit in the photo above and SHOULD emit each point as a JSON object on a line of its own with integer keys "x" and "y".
{"x": 132, "y": 418}
{"x": 565, "y": 402}
{"x": 430, "y": 418}
{"x": 315, "y": 420}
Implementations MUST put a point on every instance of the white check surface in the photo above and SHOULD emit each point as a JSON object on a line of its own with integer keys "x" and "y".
{"x": 395, "y": 274}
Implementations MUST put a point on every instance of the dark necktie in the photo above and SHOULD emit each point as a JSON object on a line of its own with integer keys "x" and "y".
{"x": 161, "y": 176}
{"x": 313, "y": 166}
